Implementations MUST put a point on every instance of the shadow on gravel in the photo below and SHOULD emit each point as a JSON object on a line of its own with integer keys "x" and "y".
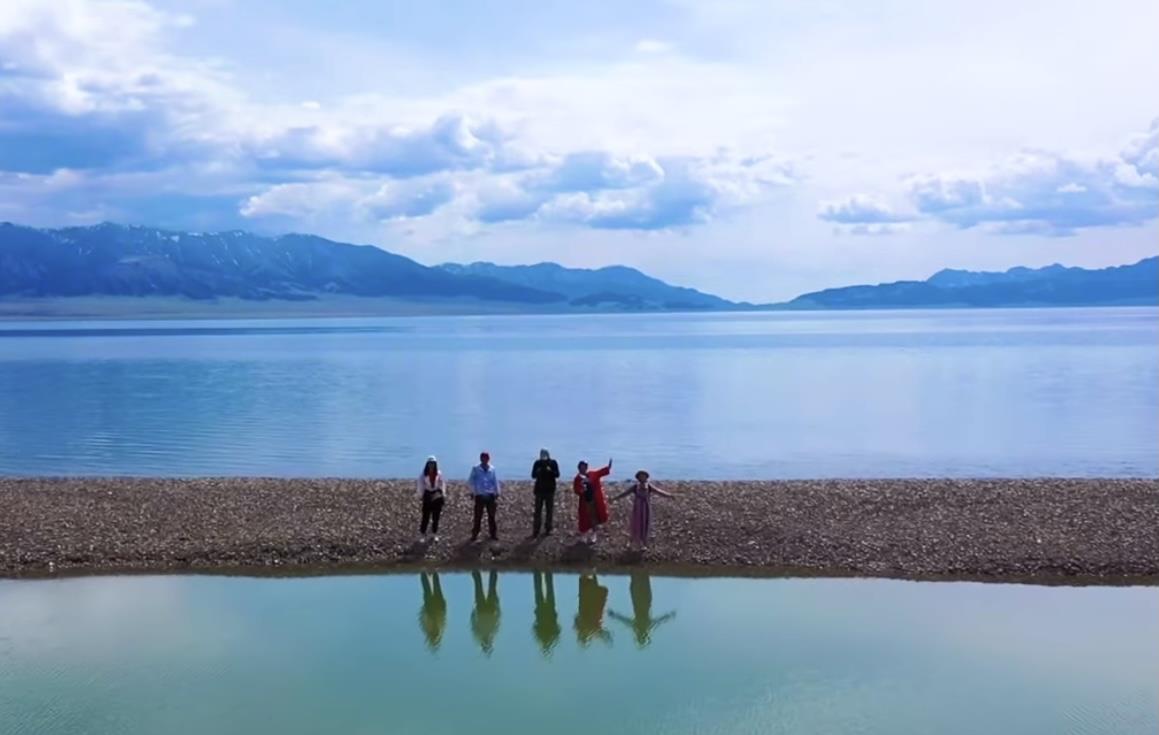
{"x": 468, "y": 551}
{"x": 415, "y": 551}
{"x": 525, "y": 548}
{"x": 631, "y": 556}
{"x": 578, "y": 552}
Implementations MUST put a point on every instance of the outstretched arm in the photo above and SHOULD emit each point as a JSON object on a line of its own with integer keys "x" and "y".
{"x": 660, "y": 492}
{"x": 621, "y": 618}
{"x": 623, "y": 494}
{"x": 657, "y": 622}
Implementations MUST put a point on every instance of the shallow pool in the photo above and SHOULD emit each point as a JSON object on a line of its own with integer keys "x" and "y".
{"x": 561, "y": 653}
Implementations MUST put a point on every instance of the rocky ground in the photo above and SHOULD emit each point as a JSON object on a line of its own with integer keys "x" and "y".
{"x": 1010, "y": 530}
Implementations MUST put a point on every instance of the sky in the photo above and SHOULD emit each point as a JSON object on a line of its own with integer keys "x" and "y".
{"x": 751, "y": 148}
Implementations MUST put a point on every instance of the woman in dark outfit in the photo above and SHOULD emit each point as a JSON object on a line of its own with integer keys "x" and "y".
{"x": 432, "y": 493}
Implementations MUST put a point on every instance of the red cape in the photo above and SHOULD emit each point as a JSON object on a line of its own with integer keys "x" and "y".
{"x": 595, "y": 477}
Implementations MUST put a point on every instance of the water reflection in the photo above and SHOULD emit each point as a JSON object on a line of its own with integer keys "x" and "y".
{"x": 642, "y": 623}
{"x": 592, "y": 603}
{"x": 433, "y": 614}
{"x": 485, "y": 616}
{"x": 546, "y": 627}
{"x": 589, "y": 619}
{"x": 141, "y": 655}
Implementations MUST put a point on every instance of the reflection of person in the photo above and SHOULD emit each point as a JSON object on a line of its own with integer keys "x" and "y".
{"x": 545, "y": 472}
{"x": 432, "y": 492}
{"x": 433, "y": 615}
{"x": 485, "y": 616}
{"x": 593, "y": 505}
{"x": 642, "y": 492}
{"x": 546, "y": 627}
{"x": 642, "y": 623}
{"x": 589, "y": 619}
{"x": 485, "y": 487}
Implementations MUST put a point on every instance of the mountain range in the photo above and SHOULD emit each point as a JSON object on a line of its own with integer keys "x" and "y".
{"x": 1054, "y": 285}
{"x": 142, "y": 265}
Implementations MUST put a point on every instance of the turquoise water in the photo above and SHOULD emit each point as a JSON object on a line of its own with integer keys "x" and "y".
{"x": 959, "y": 393}
{"x": 523, "y": 653}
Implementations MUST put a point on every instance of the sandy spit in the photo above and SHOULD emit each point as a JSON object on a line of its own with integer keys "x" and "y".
{"x": 1049, "y": 529}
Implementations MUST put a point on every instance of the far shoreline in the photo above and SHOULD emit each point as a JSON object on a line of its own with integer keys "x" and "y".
{"x": 114, "y": 308}
{"x": 1033, "y": 530}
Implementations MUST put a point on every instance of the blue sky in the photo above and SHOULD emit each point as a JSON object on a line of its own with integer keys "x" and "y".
{"x": 752, "y": 148}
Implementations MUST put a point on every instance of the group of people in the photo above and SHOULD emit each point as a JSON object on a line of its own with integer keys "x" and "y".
{"x": 592, "y": 502}
{"x": 589, "y": 617}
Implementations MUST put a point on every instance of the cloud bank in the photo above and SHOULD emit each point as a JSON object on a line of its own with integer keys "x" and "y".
{"x": 1035, "y": 192}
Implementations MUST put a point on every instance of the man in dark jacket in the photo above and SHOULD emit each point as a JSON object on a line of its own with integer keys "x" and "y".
{"x": 545, "y": 472}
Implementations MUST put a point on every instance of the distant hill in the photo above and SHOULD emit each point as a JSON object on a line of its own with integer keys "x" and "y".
{"x": 111, "y": 269}
{"x": 79, "y": 264}
{"x": 616, "y": 285}
{"x": 1054, "y": 285}
{"x": 114, "y": 260}
{"x": 110, "y": 260}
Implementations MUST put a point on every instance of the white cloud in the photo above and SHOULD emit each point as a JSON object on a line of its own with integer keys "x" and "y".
{"x": 504, "y": 200}
{"x": 652, "y": 46}
{"x": 79, "y": 56}
{"x": 595, "y": 170}
{"x": 605, "y": 191}
{"x": 159, "y": 117}
{"x": 361, "y": 199}
{"x": 861, "y": 209}
{"x": 1039, "y": 192}
{"x": 1034, "y": 192}
{"x": 452, "y": 142}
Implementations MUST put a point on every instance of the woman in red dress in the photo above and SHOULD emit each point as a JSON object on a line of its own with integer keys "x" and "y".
{"x": 593, "y": 505}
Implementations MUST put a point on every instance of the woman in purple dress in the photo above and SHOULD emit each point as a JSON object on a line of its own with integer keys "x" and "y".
{"x": 642, "y": 492}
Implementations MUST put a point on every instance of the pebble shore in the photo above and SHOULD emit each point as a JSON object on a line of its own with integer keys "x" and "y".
{"x": 1064, "y": 530}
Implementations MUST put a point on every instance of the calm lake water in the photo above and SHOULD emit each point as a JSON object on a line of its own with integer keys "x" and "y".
{"x": 522, "y": 653}
{"x": 958, "y": 393}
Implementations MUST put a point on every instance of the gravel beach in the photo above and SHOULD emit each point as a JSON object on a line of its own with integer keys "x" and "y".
{"x": 1065, "y": 530}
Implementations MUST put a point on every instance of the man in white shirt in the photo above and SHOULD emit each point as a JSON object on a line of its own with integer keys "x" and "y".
{"x": 484, "y": 483}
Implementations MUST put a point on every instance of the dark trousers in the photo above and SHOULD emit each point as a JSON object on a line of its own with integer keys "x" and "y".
{"x": 544, "y": 501}
{"x": 432, "y": 509}
{"x": 487, "y": 502}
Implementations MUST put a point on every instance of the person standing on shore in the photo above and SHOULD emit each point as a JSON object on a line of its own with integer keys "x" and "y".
{"x": 432, "y": 493}
{"x": 545, "y": 472}
{"x": 484, "y": 483}
{"x": 593, "y": 504}
{"x": 641, "y": 492}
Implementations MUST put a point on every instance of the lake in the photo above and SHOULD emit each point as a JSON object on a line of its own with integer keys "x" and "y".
{"x": 522, "y": 653}
{"x": 741, "y": 395}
